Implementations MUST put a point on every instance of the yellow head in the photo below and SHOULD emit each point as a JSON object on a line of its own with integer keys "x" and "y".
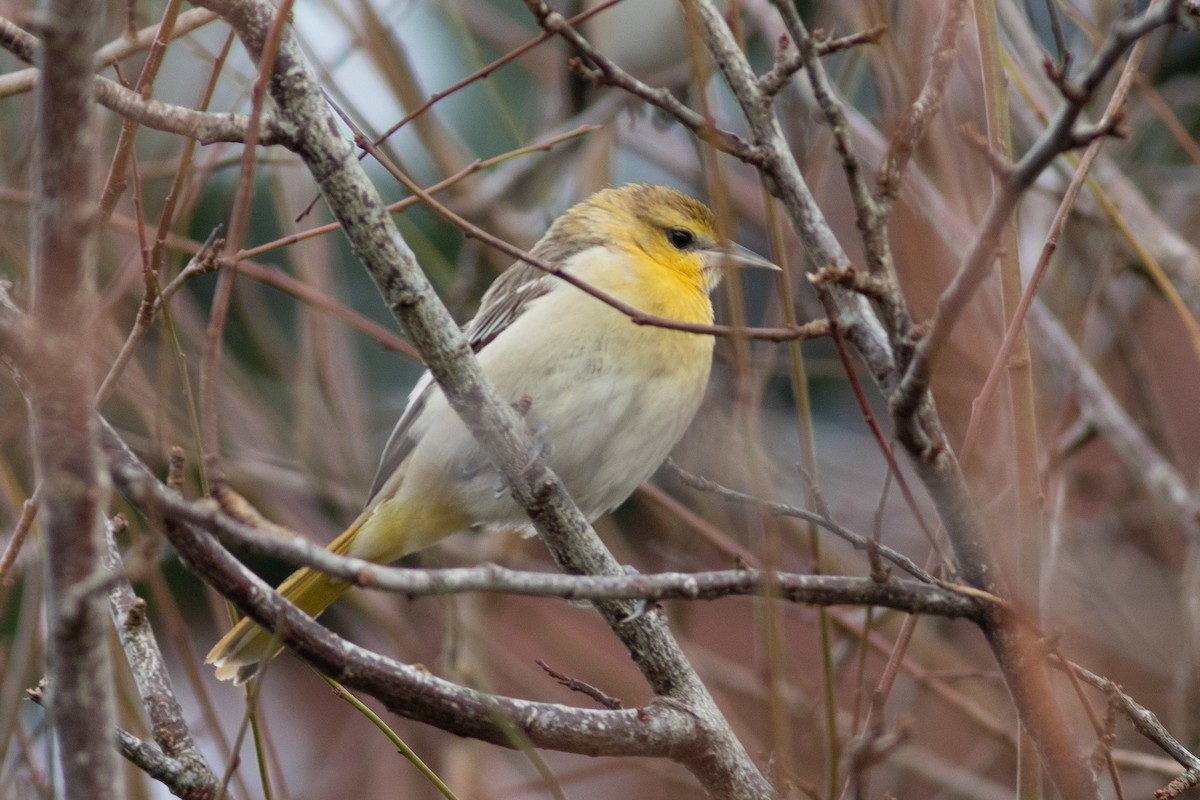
{"x": 652, "y": 222}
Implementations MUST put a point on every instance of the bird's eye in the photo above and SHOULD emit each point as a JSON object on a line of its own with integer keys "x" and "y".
{"x": 680, "y": 238}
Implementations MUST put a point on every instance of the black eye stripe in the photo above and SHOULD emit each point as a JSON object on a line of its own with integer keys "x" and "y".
{"x": 680, "y": 238}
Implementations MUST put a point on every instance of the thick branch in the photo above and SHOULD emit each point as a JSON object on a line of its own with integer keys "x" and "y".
{"x": 73, "y": 489}
{"x": 189, "y": 775}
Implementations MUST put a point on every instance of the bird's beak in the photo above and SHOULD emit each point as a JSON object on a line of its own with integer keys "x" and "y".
{"x": 734, "y": 255}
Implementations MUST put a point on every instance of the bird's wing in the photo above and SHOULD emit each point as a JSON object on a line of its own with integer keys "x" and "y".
{"x": 504, "y": 301}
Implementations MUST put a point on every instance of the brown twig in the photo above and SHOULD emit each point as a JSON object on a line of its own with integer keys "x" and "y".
{"x": 576, "y": 685}
{"x": 238, "y": 220}
{"x": 912, "y": 127}
{"x": 788, "y": 63}
{"x": 605, "y": 70}
{"x": 116, "y": 181}
{"x": 20, "y": 533}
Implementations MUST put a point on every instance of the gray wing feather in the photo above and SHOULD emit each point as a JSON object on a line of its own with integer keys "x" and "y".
{"x": 401, "y": 442}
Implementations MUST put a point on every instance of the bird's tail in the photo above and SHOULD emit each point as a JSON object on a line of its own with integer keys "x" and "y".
{"x": 247, "y": 645}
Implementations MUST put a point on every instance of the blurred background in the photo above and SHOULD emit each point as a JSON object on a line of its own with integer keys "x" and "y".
{"x": 315, "y": 374}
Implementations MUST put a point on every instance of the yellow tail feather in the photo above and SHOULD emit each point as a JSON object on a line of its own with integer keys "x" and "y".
{"x": 240, "y": 652}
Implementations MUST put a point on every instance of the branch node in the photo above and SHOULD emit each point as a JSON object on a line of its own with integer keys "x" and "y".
{"x": 1057, "y": 74}
{"x": 1001, "y": 167}
{"x": 1189, "y": 779}
{"x": 866, "y": 284}
{"x": 176, "y": 461}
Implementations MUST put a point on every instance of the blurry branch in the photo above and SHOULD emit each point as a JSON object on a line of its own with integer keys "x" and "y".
{"x": 24, "y": 80}
{"x": 602, "y": 69}
{"x": 208, "y": 418}
{"x": 116, "y": 182}
{"x": 1061, "y": 135}
{"x": 487, "y": 70}
{"x": 1100, "y": 409}
{"x": 20, "y": 531}
{"x": 546, "y": 145}
{"x": 264, "y": 273}
{"x": 858, "y": 541}
{"x": 921, "y": 112}
{"x": 177, "y": 762}
{"x": 1016, "y": 325}
{"x": 73, "y": 489}
{"x": 152, "y": 303}
{"x": 409, "y": 754}
{"x": 204, "y": 127}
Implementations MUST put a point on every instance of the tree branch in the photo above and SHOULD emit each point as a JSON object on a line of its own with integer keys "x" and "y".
{"x": 24, "y": 80}
{"x": 180, "y": 767}
{"x": 72, "y": 488}
{"x": 203, "y": 126}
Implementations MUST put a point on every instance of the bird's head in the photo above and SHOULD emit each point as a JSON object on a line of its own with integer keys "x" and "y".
{"x": 661, "y": 224}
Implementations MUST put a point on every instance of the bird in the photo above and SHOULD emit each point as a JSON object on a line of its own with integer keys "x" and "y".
{"x": 606, "y": 399}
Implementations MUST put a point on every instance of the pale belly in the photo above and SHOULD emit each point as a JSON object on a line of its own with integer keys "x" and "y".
{"x": 605, "y": 421}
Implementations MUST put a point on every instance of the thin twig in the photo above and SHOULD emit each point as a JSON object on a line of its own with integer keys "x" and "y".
{"x": 817, "y": 518}
{"x": 603, "y": 69}
{"x": 20, "y": 532}
{"x": 788, "y": 64}
{"x": 576, "y": 685}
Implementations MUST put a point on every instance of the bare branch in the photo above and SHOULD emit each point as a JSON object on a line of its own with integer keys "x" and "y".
{"x": 182, "y": 767}
{"x": 788, "y": 64}
{"x": 927, "y": 105}
{"x": 929, "y": 597}
{"x": 604, "y": 70}
{"x": 204, "y": 127}
{"x": 116, "y": 50}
